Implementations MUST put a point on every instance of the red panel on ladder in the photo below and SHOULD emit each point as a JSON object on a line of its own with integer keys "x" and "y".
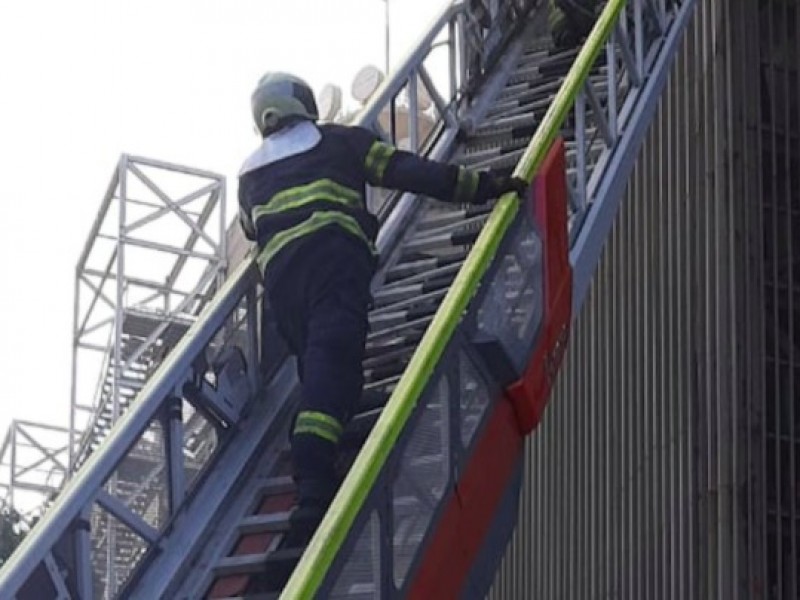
{"x": 465, "y": 521}
{"x": 529, "y": 395}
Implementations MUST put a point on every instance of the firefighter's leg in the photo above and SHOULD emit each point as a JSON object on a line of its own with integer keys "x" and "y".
{"x": 333, "y": 376}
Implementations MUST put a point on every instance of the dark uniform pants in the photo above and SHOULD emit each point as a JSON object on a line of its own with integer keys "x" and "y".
{"x": 320, "y": 299}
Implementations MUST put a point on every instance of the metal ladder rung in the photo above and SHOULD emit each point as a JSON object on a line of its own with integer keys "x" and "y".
{"x": 264, "y": 523}
{"x": 397, "y": 309}
{"x": 249, "y": 564}
{"x": 276, "y": 485}
{"x": 506, "y": 123}
{"x": 502, "y": 160}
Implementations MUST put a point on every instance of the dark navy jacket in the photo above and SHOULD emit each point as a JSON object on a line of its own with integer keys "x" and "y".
{"x": 285, "y": 202}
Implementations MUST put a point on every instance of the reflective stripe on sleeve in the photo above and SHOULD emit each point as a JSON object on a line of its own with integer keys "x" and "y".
{"x": 466, "y": 186}
{"x": 319, "y": 424}
{"x": 377, "y": 160}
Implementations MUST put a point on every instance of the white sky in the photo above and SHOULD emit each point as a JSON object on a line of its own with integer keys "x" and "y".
{"x": 85, "y": 80}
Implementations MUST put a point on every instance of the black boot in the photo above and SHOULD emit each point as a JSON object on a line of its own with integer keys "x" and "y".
{"x": 314, "y": 461}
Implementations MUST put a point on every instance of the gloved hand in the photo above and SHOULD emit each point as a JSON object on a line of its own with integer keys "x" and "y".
{"x": 503, "y": 184}
{"x": 492, "y": 185}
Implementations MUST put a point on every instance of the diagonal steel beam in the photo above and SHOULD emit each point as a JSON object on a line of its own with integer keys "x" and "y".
{"x": 93, "y": 303}
{"x": 161, "y": 211}
{"x": 215, "y": 196}
{"x": 163, "y": 326}
{"x": 169, "y": 202}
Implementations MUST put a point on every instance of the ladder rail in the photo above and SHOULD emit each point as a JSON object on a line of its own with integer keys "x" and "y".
{"x": 83, "y": 488}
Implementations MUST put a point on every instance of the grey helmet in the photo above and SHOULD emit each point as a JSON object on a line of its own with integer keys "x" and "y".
{"x": 279, "y": 97}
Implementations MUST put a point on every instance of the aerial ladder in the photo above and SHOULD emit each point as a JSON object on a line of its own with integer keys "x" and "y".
{"x": 472, "y": 313}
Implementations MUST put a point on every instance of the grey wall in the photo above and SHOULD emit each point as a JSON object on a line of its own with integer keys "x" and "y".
{"x": 657, "y": 472}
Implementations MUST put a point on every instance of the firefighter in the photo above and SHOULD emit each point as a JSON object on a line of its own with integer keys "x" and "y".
{"x": 302, "y": 200}
{"x": 572, "y": 20}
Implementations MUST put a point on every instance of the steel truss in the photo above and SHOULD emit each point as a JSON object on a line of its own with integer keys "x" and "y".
{"x": 155, "y": 254}
{"x": 33, "y": 463}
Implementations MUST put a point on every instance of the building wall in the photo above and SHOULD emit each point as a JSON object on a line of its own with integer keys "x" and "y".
{"x": 658, "y": 471}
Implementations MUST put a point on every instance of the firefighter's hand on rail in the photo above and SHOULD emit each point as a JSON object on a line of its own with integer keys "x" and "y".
{"x": 503, "y": 184}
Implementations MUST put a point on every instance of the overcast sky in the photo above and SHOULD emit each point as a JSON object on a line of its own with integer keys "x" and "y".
{"x": 86, "y": 80}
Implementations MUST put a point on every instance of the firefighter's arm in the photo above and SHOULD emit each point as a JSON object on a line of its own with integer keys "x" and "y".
{"x": 389, "y": 167}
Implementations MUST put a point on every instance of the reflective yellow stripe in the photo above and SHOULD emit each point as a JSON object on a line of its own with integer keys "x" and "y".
{"x": 317, "y": 423}
{"x": 316, "y": 221}
{"x": 466, "y": 186}
{"x": 322, "y": 189}
{"x": 377, "y": 160}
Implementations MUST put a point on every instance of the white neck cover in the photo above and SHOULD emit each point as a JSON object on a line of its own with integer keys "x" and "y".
{"x": 295, "y": 139}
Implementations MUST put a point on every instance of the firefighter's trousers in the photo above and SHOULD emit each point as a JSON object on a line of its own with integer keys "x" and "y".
{"x": 320, "y": 300}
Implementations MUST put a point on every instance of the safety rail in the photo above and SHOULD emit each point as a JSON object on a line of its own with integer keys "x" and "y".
{"x": 114, "y": 495}
{"x": 611, "y": 112}
{"x": 94, "y": 494}
{"x": 636, "y": 65}
{"x": 431, "y": 112}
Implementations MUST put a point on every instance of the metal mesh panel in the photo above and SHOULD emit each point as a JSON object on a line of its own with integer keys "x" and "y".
{"x": 116, "y": 550}
{"x": 140, "y": 480}
{"x": 360, "y": 575}
{"x": 200, "y": 440}
{"x": 473, "y": 398}
{"x": 422, "y": 476}
{"x": 512, "y": 308}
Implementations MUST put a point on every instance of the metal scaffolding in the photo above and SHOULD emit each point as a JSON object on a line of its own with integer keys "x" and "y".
{"x": 33, "y": 464}
{"x": 155, "y": 254}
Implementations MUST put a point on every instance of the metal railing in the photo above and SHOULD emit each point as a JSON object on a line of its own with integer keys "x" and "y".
{"x": 635, "y": 68}
{"x": 64, "y": 555}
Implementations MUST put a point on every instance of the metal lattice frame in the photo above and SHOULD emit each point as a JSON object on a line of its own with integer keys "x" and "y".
{"x": 155, "y": 254}
{"x": 33, "y": 463}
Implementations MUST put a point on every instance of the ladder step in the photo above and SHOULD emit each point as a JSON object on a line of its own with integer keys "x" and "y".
{"x": 257, "y": 596}
{"x": 433, "y": 219}
{"x": 277, "y": 485}
{"x": 503, "y": 136}
{"x": 401, "y": 306}
{"x": 275, "y": 570}
{"x": 442, "y": 242}
{"x": 508, "y": 159}
{"x": 549, "y": 86}
{"x": 383, "y": 383}
{"x": 505, "y": 123}
{"x": 389, "y": 355}
{"x": 270, "y": 523}
{"x": 387, "y": 296}
{"x": 440, "y": 273}
{"x": 409, "y": 331}
{"x": 468, "y": 223}
{"x": 250, "y": 564}
{"x": 418, "y": 266}
{"x": 386, "y": 372}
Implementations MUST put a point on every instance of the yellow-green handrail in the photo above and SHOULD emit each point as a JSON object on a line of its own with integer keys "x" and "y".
{"x": 333, "y": 530}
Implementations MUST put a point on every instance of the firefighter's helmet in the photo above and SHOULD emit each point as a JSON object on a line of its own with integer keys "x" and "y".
{"x": 279, "y": 98}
